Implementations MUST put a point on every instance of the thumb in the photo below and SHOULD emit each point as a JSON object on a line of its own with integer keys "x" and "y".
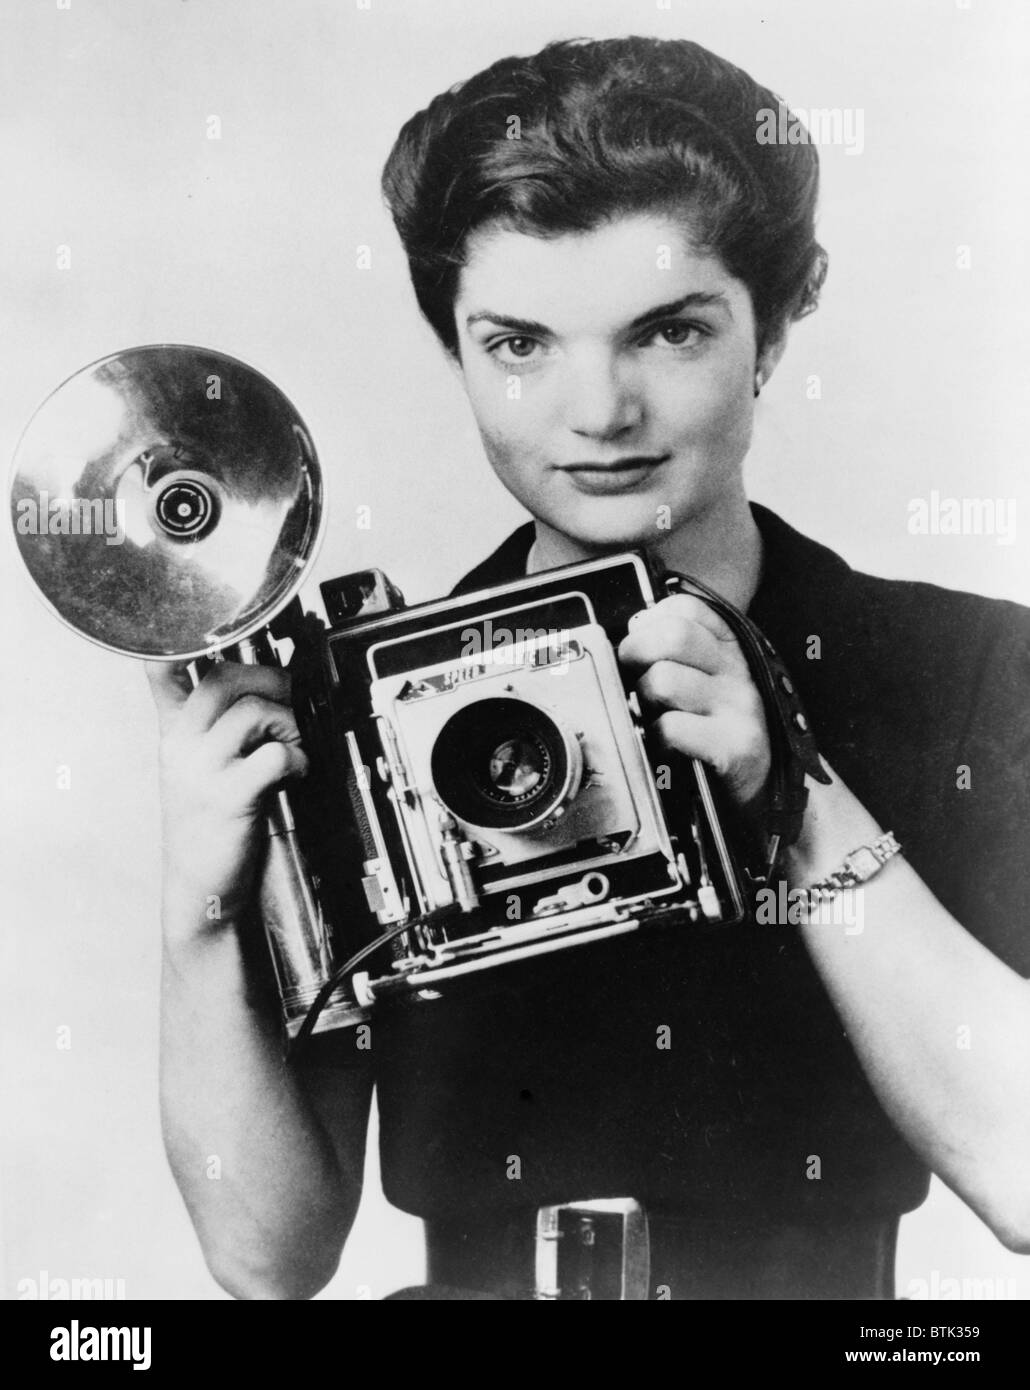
{"x": 170, "y": 685}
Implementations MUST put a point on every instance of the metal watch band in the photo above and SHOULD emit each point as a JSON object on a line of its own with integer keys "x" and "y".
{"x": 858, "y": 867}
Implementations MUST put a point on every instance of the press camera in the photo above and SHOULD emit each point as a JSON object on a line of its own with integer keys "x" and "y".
{"x": 484, "y": 787}
{"x": 507, "y": 797}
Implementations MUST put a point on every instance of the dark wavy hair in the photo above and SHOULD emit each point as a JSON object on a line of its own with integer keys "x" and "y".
{"x": 607, "y": 128}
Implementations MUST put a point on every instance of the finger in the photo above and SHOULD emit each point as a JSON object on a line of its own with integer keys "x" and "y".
{"x": 734, "y": 746}
{"x": 693, "y": 735}
{"x": 695, "y": 609}
{"x": 170, "y": 686}
{"x": 266, "y": 767}
{"x": 224, "y": 684}
{"x": 661, "y": 636}
{"x": 683, "y": 627}
{"x": 248, "y": 722}
{"x": 669, "y": 685}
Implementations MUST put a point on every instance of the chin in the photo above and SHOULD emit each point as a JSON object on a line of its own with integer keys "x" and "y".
{"x": 619, "y": 525}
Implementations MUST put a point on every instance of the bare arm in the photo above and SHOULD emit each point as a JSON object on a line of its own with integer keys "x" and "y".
{"x": 268, "y": 1163}
{"x": 912, "y": 978}
{"x": 940, "y": 1024}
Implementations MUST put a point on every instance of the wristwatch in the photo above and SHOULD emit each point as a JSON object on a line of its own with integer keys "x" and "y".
{"x": 859, "y": 866}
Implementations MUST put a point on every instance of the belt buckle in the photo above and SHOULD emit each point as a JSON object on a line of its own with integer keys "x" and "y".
{"x": 593, "y": 1250}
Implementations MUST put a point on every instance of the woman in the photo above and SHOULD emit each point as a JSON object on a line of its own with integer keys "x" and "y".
{"x": 612, "y": 260}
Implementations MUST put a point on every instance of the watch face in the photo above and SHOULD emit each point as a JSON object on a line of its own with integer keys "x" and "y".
{"x": 863, "y": 863}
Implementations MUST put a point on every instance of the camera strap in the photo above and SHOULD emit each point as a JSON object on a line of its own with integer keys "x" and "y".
{"x": 792, "y": 744}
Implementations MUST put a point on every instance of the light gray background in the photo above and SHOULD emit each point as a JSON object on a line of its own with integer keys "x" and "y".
{"x": 249, "y": 244}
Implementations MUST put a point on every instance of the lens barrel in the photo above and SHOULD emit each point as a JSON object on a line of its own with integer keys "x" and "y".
{"x": 504, "y": 764}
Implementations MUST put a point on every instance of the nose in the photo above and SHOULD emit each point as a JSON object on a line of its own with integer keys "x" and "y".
{"x": 601, "y": 399}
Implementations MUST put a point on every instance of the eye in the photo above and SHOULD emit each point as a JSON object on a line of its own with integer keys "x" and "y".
{"x": 676, "y": 333}
{"x": 517, "y": 348}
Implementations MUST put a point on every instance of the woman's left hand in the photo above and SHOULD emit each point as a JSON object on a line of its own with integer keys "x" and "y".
{"x": 696, "y": 684}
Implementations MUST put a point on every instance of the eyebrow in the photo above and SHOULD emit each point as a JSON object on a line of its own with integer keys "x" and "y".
{"x": 697, "y": 300}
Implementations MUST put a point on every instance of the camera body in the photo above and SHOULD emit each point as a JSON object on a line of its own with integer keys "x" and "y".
{"x": 482, "y": 787}
{"x": 481, "y": 764}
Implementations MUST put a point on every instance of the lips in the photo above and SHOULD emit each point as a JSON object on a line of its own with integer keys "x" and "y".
{"x": 621, "y": 475}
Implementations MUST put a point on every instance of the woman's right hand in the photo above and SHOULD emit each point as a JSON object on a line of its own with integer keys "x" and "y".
{"x": 224, "y": 745}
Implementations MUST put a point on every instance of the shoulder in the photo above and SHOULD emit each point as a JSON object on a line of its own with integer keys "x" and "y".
{"x": 957, "y": 660}
{"x": 908, "y": 628}
{"x": 947, "y": 632}
{"x": 933, "y": 612}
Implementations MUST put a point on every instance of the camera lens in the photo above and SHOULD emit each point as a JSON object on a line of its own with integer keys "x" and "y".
{"x": 503, "y": 764}
{"x": 518, "y": 767}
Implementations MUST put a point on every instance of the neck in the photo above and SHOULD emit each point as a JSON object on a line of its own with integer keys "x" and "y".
{"x": 723, "y": 549}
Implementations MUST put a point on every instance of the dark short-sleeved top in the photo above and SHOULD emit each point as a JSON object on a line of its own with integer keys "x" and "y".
{"x": 919, "y": 699}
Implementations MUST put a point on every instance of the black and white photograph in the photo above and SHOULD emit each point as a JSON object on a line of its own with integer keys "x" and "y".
{"x": 517, "y": 684}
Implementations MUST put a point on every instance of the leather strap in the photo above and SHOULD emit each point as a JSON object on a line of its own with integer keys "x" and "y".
{"x": 792, "y": 743}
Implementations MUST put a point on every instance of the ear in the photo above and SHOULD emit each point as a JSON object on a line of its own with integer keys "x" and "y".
{"x": 769, "y": 356}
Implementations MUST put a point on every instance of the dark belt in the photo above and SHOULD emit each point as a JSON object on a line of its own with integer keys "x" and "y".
{"x": 689, "y": 1257}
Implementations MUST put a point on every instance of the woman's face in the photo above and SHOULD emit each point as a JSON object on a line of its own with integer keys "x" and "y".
{"x": 611, "y": 374}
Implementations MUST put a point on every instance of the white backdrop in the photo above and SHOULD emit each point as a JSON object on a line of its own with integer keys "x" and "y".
{"x": 249, "y": 243}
